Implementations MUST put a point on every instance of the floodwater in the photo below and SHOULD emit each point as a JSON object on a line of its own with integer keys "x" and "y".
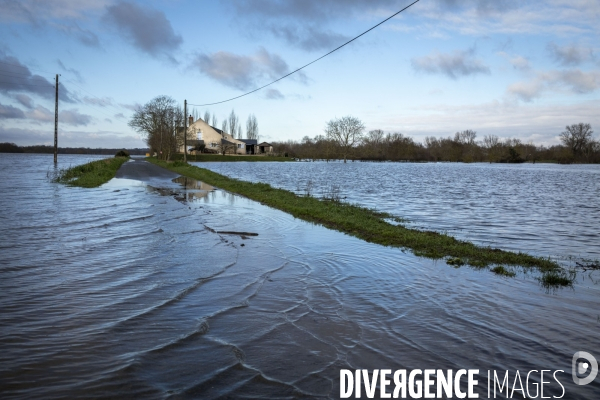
{"x": 130, "y": 291}
{"x": 549, "y": 210}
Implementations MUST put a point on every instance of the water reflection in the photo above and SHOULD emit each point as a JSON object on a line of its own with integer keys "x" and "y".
{"x": 187, "y": 190}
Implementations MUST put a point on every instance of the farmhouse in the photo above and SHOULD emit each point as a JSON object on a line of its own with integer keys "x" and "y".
{"x": 214, "y": 140}
{"x": 201, "y": 135}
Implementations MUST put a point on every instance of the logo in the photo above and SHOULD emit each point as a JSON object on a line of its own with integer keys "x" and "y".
{"x": 579, "y": 368}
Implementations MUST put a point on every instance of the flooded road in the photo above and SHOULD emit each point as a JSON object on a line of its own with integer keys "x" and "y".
{"x": 129, "y": 290}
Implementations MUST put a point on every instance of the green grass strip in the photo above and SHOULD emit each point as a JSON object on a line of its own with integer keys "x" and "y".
{"x": 371, "y": 226}
{"x": 228, "y": 158}
{"x": 92, "y": 174}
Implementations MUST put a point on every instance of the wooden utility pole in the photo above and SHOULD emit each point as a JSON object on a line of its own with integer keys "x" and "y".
{"x": 185, "y": 130}
{"x": 56, "y": 124}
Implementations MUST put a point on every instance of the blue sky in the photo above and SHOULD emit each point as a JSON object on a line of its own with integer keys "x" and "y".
{"x": 521, "y": 69}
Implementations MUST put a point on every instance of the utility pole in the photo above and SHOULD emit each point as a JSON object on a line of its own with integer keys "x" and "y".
{"x": 56, "y": 124}
{"x": 185, "y": 130}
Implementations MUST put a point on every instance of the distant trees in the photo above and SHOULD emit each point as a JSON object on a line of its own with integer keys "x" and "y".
{"x": 206, "y": 117}
{"x": 10, "y": 148}
{"x": 577, "y": 137}
{"x": 346, "y": 132}
{"x": 225, "y": 125}
{"x": 233, "y": 122}
{"x": 379, "y": 146}
{"x": 160, "y": 121}
{"x": 252, "y": 127}
{"x": 492, "y": 144}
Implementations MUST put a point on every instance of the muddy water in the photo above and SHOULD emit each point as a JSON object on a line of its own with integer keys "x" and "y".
{"x": 545, "y": 209}
{"x": 129, "y": 290}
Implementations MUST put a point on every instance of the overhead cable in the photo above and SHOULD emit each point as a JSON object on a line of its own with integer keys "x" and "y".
{"x": 306, "y": 65}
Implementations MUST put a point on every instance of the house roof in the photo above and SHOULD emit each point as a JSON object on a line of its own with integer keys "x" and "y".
{"x": 265, "y": 144}
{"x": 217, "y": 129}
{"x": 225, "y": 141}
{"x": 249, "y": 141}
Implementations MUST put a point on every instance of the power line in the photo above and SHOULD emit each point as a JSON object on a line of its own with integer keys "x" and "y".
{"x": 312, "y": 62}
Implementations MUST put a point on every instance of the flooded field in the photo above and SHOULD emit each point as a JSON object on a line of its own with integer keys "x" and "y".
{"x": 169, "y": 288}
{"x": 543, "y": 209}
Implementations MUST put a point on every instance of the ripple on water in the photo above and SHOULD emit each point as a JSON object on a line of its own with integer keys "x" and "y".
{"x": 135, "y": 294}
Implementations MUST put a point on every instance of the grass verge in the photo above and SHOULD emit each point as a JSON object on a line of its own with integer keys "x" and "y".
{"x": 90, "y": 175}
{"x": 370, "y": 225}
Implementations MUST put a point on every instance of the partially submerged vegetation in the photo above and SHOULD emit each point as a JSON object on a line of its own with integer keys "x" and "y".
{"x": 92, "y": 174}
{"x": 500, "y": 270}
{"x": 371, "y": 225}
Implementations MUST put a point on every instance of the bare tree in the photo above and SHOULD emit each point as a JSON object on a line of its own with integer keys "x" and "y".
{"x": 239, "y": 132}
{"x": 159, "y": 120}
{"x": 493, "y": 146}
{"x": 252, "y": 127}
{"x": 346, "y": 132}
{"x": 214, "y": 120}
{"x": 225, "y": 125}
{"x": 195, "y": 114}
{"x": 577, "y": 137}
{"x": 375, "y": 136}
{"x": 373, "y": 144}
{"x": 206, "y": 117}
{"x": 227, "y": 147}
{"x": 233, "y": 123}
{"x": 468, "y": 137}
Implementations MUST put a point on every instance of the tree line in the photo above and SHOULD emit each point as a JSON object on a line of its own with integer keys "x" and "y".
{"x": 344, "y": 139}
{"x": 44, "y": 149}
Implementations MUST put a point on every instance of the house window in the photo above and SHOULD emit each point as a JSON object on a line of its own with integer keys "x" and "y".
{"x": 240, "y": 146}
{"x": 199, "y": 134}
{"x": 213, "y": 144}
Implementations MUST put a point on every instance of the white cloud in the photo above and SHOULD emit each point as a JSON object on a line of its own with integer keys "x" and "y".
{"x": 97, "y": 139}
{"x": 274, "y": 94}
{"x": 69, "y": 117}
{"x": 470, "y": 17}
{"x": 570, "y": 56}
{"x": 454, "y": 65}
{"x": 572, "y": 80}
{"x": 518, "y": 62}
{"x": 540, "y": 123}
{"x": 146, "y": 28}
{"x": 241, "y": 71}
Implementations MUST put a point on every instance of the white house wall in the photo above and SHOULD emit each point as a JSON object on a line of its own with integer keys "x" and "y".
{"x": 210, "y": 136}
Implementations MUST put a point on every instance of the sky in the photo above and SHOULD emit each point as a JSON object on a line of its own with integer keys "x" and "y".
{"x": 518, "y": 69}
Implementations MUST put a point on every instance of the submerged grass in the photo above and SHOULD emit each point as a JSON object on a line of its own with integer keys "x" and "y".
{"x": 554, "y": 279}
{"x": 370, "y": 225}
{"x": 500, "y": 270}
{"x": 90, "y": 175}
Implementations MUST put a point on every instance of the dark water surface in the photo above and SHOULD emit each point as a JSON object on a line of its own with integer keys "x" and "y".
{"x": 544, "y": 209}
{"x": 129, "y": 290}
